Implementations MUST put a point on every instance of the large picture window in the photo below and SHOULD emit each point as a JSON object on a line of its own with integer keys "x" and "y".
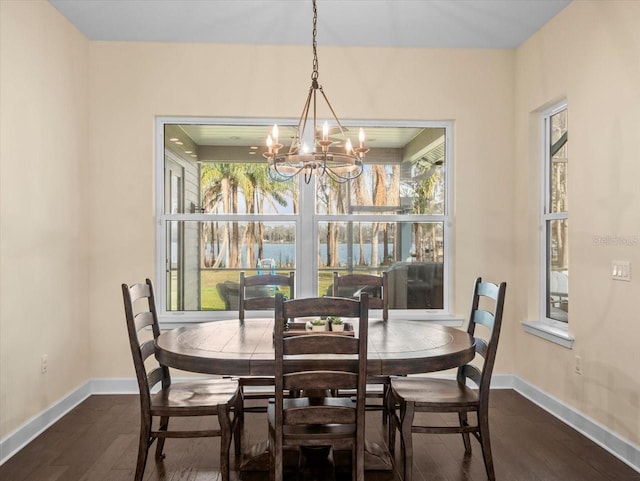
{"x": 555, "y": 216}
{"x": 219, "y": 213}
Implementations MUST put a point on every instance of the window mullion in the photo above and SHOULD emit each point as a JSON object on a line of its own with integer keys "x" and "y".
{"x": 307, "y": 250}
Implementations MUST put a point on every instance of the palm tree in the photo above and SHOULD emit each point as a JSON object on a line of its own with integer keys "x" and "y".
{"x": 222, "y": 179}
{"x": 223, "y": 185}
{"x": 393, "y": 198}
{"x": 362, "y": 198}
{"x": 275, "y": 194}
{"x": 258, "y": 188}
{"x": 379, "y": 198}
{"x": 423, "y": 203}
{"x": 333, "y": 195}
{"x": 211, "y": 194}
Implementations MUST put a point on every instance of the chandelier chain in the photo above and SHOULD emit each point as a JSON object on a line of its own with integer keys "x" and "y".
{"x": 341, "y": 165}
{"x": 314, "y": 74}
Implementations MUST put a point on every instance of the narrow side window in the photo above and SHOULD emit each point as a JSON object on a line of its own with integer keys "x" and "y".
{"x": 555, "y": 216}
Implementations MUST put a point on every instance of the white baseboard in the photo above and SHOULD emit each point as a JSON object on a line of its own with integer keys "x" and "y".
{"x": 30, "y": 430}
{"x": 115, "y": 385}
{"x": 15, "y": 441}
{"x": 621, "y": 448}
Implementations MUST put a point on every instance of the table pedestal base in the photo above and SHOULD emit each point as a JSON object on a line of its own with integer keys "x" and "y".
{"x": 316, "y": 464}
{"x": 376, "y": 458}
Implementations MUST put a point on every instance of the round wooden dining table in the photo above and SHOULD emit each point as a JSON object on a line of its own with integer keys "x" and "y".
{"x": 235, "y": 348}
{"x": 232, "y": 347}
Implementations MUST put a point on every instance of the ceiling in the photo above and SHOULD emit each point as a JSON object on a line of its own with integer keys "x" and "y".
{"x": 397, "y": 23}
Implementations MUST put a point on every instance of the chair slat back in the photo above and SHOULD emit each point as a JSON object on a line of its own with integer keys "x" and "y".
{"x": 143, "y": 319}
{"x": 324, "y": 306}
{"x": 489, "y": 290}
{"x": 315, "y": 380}
{"x": 485, "y": 318}
{"x": 469, "y": 371}
{"x": 320, "y": 344}
{"x": 147, "y": 349}
{"x": 248, "y": 302}
{"x": 377, "y": 284}
{"x": 140, "y": 313}
{"x": 481, "y": 346}
{"x": 155, "y": 376}
{"x": 487, "y": 308}
{"x": 319, "y": 415}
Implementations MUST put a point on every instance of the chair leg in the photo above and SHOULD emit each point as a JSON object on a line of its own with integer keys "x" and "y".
{"x": 485, "y": 442}
{"x": 238, "y": 419}
{"x": 275, "y": 459}
{"x": 407, "y": 411}
{"x": 385, "y": 413}
{"x": 389, "y": 407}
{"x": 391, "y": 437}
{"x": 143, "y": 447}
{"x": 225, "y": 440}
{"x": 358, "y": 449}
{"x": 278, "y": 467}
{"x": 355, "y": 471}
{"x": 164, "y": 425}
{"x": 462, "y": 416}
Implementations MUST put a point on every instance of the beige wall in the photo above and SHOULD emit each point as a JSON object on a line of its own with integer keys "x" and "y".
{"x": 590, "y": 55}
{"x": 133, "y": 82}
{"x": 489, "y": 94}
{"x": 44, "y": 269}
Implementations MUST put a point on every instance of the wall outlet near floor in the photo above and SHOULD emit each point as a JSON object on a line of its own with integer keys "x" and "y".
{"x": 44, "y": 363}
{"x": 578, "y": 365}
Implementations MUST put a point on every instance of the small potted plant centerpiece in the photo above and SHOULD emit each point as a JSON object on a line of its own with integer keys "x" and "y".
{"x": 319, "y": 325}
{"x": 336, "y": 324}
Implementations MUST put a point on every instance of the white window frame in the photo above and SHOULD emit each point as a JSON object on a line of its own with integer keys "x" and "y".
{"x": 546, "y": 327}
{"x": 306, "y": 221}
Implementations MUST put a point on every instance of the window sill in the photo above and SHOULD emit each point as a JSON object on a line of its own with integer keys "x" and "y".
{"x": 556, "y": 334}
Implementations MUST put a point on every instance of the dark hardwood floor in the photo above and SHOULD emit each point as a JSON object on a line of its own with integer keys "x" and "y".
{"x": 97, "y": 441}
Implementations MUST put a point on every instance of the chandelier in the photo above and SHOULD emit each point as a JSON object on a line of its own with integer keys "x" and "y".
{"x": 339, "y": 164}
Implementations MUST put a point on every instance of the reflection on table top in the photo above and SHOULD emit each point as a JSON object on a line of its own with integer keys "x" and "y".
{"x": 246, "y": 349}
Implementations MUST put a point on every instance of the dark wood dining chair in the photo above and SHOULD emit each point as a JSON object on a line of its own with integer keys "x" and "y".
{"x": 258, "y": 293}
{"x": 215, "y": 397}
{"x": 302, "y": 366}
{"x": 375, "y": 286}
{"x": 409, "y": 395}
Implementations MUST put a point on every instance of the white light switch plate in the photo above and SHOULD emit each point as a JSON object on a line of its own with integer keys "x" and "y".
{"x": 621, "y": 270}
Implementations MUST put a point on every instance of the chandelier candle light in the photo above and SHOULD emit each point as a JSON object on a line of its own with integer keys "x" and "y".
{"x": 341, "y": 165}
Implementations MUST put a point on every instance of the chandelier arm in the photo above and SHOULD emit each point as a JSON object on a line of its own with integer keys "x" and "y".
{"x": 279, "y": 177}
{"x": 341, "y": 179}
{"x": 315, "y": 119}
{"x": 283, "y": 175}
{"x": 302, "y": 123}
{"x": 308, "y": 175}
{"x": 324, "y": 165}
{"x": 335, "y": 117}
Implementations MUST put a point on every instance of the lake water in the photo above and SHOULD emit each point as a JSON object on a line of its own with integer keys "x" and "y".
{"x": 284, "y": 254}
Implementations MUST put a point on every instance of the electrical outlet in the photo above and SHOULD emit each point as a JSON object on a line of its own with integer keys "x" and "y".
{"x": 578, "y": 365}
{"x": 44, "y": 363}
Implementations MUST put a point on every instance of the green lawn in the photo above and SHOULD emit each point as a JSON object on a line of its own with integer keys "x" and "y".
{"x": 210, "y": 298}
